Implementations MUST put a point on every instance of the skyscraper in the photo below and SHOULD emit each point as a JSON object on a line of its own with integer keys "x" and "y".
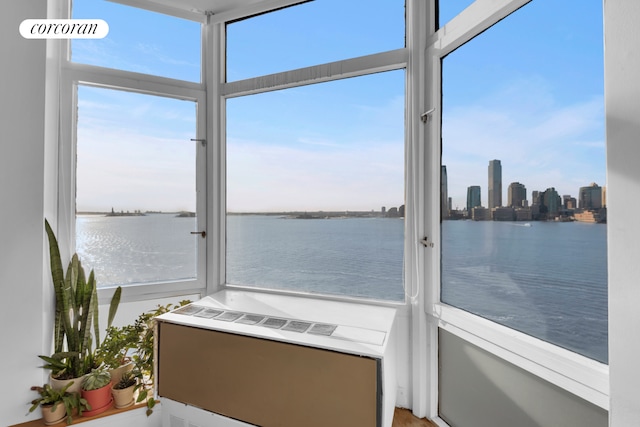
{"x": 473, "y": 198}
{"x": 569, "y": 202}
{"x": 495, "y": 184}
{"x": 535, "y": 197}
{"x": 516, "y": 194}
{"x": 444, "y": 196}
{"x": 551, "y": 201}
{"x": 590, "y": 197}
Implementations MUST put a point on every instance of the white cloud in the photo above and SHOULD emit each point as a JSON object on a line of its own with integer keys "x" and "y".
{"x": 134, "y": 172}
{"x": 281, "y": 178}
{"x": 540, "y": 143}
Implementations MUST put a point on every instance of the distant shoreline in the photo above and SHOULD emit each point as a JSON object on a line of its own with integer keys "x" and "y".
{"x": 180, "y": 214}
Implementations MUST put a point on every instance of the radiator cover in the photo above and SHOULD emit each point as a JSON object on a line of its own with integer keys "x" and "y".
{"x": 279, "y": 373}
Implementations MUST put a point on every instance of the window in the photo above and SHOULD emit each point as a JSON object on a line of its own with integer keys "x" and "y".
{"x": 312, "y": 33}
{"x": 139, "y": 41}
{"x": 315, "y": 172}
{"x": 136, "y": 149}
{"x": 525, "y": 249}
{"x": 315, "y": 188}
{"x": 136, "y": 186}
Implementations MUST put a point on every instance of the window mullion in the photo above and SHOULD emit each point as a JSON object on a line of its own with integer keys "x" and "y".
{"x": 214, "y": 55}
{"x": 424, "y": 338}
{"x": 385, "y": 61}
{"x": 475, "y": 19}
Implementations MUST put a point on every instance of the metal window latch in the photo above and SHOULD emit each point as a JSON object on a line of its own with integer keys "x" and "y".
{"x": 202, "y": 233}
{"x": 201, "y": 141}
{"x": 426, "y": 243}
{"x": 425, "y": 116}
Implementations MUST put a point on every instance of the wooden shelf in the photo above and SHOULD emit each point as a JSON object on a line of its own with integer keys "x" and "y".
{"x": 78, "y": 420}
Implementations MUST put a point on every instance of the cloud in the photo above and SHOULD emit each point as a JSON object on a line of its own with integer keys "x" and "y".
{"x": 157, "y": 53}
{"x": 281, "y": 178}
{"x": 134, "y": 152}
{"x": 317, "y": 142}
{"x": 540, "y": 141}
{"x": 134, "y": 171}
{"x": 137, "y": 57}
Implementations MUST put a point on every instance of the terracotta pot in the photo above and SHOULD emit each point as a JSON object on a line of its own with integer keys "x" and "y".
{"x": 123, "y": 397}
{"x": 57, "y": 384}
{"x": 99, "y": 400}
{"x": 53, "y": 417}
{"x": 116, "y": 374}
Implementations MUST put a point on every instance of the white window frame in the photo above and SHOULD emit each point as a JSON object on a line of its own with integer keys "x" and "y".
{"x": 221, "y": 91}
{"x": 580, "y": 375}
{"x": 74, "y": 74}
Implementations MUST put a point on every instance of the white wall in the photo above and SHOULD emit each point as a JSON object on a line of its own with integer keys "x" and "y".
{"x": 22, "y": 90}
{"x": 622, "y": 103}
{"x": 479, "y": 389}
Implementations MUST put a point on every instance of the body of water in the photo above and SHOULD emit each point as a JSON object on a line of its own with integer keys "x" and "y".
{"x": 347, "y": 256}
{"x": 134, "y": 249}
{"x": 547, "y": 279}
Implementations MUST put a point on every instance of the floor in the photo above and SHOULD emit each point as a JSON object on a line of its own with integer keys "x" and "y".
{"x": 404, "y": 418}
{"x": 401, "y": 418}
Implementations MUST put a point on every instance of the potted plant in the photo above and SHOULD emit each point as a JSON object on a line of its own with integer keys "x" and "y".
{"x": 96, "y": 389}
{"x": 143, "y": 355}
{"x": 76, "y": 318}
{"x": 123, "y": 390}
{"x": 113, "y": 352}
{"x": 57, "y": 404}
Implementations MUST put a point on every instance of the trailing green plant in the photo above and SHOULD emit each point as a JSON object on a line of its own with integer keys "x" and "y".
{"x": 128, "y": 379}
{"x": 76, "y": 315}
{"x": 143, "y": 356}
{"x": 49, "y": 396}
{"x": 96, "y": 379}
{"x": 113, "y": 351}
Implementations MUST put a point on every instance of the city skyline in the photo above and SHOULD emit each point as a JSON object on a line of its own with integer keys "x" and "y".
{"x": 474, "y": 193}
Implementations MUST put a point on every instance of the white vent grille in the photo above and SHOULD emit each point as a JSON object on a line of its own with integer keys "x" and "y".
{"x": 291, "y": 325}
{"x": 322, "y": 329}
{"x": 297, "y": 326}
{"x": 250, "y": 319}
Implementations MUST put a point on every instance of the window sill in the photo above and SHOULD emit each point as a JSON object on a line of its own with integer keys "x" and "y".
{"x": 570, "y": 371}
{"x": 78, "y": 420}
{"x": 317, "y": 296}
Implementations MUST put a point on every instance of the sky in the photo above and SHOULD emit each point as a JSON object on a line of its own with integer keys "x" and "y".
{"x": 539, "y": 109}
{"x": 529, "y": 91}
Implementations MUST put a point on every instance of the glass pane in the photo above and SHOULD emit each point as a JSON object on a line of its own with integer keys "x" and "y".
{"x": 315, "y": 188}
{"x": 139, "y": 41}
{"x": 313, "y": 33}
{"x": 448, "y": 9}
{"x": 523, "y": 143}
{"x": 136, "y": 186}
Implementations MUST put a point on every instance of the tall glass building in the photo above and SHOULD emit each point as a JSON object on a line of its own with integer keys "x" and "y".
{"x": 495, "y": 184}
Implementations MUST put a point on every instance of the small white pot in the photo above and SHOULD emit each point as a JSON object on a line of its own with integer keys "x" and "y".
{"x": 53, "y": 417}
{"x": 116, "y": 374}
{"x": 123, "y": 397}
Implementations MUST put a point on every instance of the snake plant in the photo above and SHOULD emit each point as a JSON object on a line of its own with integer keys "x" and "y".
{"x": 76, "y": 315}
